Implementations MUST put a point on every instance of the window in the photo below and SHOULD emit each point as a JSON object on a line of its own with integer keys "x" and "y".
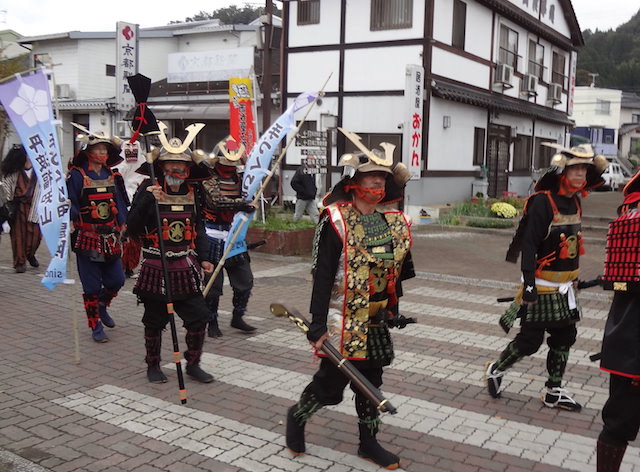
{"x": 478, "y": 146}
{"x": 608, "y": 139}
{"x": 308, "y": 12}
{"x": 635, "y": 118}
{"x": 536, "y": 59}
{"x": 391, "y": 14}
{"x": 543, "y": 154}
{"x": 552, "y": 13}
{"x": 522, "y": 153}
{"x": 508, "y": 53}
{"x": 635, "y": 146}
{"x": 110, "y": 70}
{"x": 603, "y": 107}
{"x": 459, "y": 24}
{"x": 557, "y": 74}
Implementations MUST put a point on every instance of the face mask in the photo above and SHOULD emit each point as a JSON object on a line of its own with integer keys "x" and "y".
{"x": 569, "y": 187}
{"x": 369, "y": 195}
{"x": 225, "y": 171}
{"x": 98, "y": 158}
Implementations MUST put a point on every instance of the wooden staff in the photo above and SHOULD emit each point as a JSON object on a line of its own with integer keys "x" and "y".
{"x": 259, "y": 193}
{"x": 139, "y": 85}
{"x": 373, "y": 394}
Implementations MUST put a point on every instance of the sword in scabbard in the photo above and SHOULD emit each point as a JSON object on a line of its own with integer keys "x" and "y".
{"x": 367, "y": 388}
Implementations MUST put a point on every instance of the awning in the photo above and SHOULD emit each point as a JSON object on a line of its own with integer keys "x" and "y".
{"x": 497, "y": 101}
{"x": 190, "y": 111}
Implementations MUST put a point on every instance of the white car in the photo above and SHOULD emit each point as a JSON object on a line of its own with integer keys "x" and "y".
{"x": 614, "y": 176}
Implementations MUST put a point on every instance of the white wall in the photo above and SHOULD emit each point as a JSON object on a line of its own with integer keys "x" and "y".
{"x": 559, "y": 23}
{"x": 448, "y": 64}
{"x": 309, "y": 70}
{"x": 452, "y": 148}
{"x": 327, "y": 32}
{"x": 379, "y": 68}
{"x": 585, "y": 103}
{"x": 373, "y": 114}
{"x": 478, "y": 27}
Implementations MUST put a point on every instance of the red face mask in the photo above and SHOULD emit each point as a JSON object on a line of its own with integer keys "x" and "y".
{"x": 369, "y": 195}
{"x": 569, "y": 187}
{"x": 102, "y": 159}
{"x": 178, "y": 174}
{"x": 225, "y": 171}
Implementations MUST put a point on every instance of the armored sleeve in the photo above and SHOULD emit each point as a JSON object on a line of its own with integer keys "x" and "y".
{"x": 142, "y": 212}
{"x": 329, "y": 250}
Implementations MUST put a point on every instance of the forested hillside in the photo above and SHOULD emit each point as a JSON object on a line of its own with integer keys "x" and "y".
{"x": 614, "y": 55}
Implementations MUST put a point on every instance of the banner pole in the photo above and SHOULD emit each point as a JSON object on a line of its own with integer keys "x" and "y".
{"x": 260, "y": 191}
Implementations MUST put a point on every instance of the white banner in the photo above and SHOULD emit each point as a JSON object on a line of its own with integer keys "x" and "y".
{"x": 127, "y": 63}
{"x": 412, "y": 137}
{"x": 205, "y": 66}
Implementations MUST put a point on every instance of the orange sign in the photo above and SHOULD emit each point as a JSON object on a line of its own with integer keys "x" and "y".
{"x": 242, "y": 124}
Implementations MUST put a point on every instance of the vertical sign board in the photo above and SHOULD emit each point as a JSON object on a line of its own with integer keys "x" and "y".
{"x": 126, "y": 63}
{"x": 242, "y": 124}
{"x": 412, "y": 138}
{"x": 572, "y": 81}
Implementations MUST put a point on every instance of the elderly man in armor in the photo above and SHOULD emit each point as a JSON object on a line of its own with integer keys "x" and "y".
{"x": 178, "y": 194}
{"x": 359, "y": 261}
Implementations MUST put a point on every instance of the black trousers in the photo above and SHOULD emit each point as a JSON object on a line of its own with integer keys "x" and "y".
{"x": 621, "y": 413}
{"x": 530, "y": 338}
{"x": 329, "y": 382}
{"x": 192, "y": 311}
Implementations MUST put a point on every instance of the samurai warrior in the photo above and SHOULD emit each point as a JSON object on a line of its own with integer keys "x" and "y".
{"x": 621, "y": 344}
{"x": 358, "y": 264}
{"x": 99, "y": 214}
{"x": 223, "y": 199}
{"x": 549, "y": 238}
{"x": 178, "y": 195}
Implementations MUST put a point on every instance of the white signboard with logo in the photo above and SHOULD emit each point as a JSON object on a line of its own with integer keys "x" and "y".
{"x": 205, "y": 66}
{"x": 412, "y": 137}
{"x": 127, "y": 63}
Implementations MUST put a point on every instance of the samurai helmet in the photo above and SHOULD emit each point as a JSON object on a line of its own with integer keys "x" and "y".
{"x": 227, "y": 152}
{"x": 371, "y": 160}
{"x": 91, "y": 138}
{"x": 174, "y": 149}
{"x": 566, "y": 157}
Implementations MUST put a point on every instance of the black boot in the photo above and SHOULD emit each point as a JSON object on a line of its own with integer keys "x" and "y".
{"x": 103, "y": 302}
{"x": 240, "y": 301}
{"x": 153, "y": 343}
{"x": 195, "y": 339}
{"x": 213, "y": 300}
{"x": 369, "y": 448}
{"x": 609, "y": 457}
{"x": 297, "y": 417}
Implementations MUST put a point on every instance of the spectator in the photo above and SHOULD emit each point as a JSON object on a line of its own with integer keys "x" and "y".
{"x": 20, "y": 185}
{"x": 304, "y": 184}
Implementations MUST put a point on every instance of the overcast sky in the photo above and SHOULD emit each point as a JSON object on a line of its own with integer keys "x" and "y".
{"x": 35, "y": 17}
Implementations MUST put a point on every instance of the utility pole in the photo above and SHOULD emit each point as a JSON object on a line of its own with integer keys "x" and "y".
{"x": 266, "y": 66}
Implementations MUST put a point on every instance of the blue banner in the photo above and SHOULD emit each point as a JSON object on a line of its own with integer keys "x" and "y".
{"x": 257, "y": 166}
{"x": 27, "y": 101}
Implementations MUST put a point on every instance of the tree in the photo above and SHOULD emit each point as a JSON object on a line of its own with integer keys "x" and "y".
{"x": 231, "y": 15}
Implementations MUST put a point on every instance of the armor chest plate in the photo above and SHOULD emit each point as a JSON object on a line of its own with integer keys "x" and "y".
{"x": 561, "y": 247}
{"x": 98, "y": 201}
{"x": 177, "y": 213}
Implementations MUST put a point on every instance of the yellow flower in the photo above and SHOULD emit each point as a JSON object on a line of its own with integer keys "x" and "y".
{"x": 503, "y": 210}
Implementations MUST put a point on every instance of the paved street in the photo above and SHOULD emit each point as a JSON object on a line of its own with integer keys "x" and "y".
{"x": 101, "y": 414}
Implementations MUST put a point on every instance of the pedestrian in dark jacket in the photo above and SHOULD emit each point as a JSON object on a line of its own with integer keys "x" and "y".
{"x": 304, "y": 184}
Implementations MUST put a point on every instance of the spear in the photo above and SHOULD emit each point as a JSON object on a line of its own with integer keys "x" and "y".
{"x": 145, "y": 124}
{"x": 259, "y": 192}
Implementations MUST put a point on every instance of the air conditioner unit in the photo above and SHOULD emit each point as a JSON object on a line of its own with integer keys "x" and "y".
{"x": 555, "y": 93}
{"x": 63, "y": 90}
{"x": 123, "y": 130}
{"x": 529, "y": 84}
{"x": 504, "y": 75}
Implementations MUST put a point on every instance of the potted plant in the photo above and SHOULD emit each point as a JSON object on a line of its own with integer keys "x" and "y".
{"x": 283, "y": 236}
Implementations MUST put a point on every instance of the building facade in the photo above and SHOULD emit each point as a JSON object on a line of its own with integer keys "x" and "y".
{"x": 186, "y": 62}
{"x": 498, "y": 76}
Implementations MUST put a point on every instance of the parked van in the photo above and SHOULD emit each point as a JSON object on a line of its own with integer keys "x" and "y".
{"x": 614, "y": 176}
